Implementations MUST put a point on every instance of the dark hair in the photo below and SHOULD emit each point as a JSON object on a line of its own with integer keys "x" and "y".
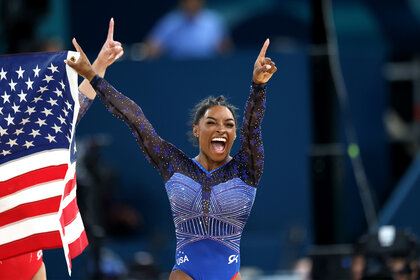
{"x": 201, "y": 108}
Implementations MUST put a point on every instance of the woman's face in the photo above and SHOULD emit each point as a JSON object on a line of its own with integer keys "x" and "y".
{"x": 192, "y": 7}
{"x": 216, "y": 132}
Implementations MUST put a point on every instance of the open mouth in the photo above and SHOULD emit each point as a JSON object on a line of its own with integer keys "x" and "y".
{"x": 218, "y": 145}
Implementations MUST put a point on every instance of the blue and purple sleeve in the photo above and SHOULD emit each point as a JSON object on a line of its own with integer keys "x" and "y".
{"x": 159, "y": 152}
{"x": 85, "y": 104}
{"x": 251, "y": 153}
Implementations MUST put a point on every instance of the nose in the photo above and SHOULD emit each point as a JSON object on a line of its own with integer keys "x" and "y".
{"x": 220, "y": 129}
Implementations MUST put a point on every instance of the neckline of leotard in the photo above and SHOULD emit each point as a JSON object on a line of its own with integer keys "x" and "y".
{"x": 205, "y": 170}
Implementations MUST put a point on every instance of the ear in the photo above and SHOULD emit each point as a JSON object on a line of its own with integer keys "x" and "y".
{"x": 195, "y": 130}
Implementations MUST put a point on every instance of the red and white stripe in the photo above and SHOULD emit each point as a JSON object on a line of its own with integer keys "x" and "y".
{"x": 38, "y": 208}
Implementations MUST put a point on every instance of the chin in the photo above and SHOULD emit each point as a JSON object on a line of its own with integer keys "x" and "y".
{"x": 220, "y": 157}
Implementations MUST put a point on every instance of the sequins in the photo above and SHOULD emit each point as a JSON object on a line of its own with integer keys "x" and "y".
{"x": 85, "y": 103}
{"x": 204, "y": 204}
{"x": 220, "y": 215}
{"x": 170, "y": 168}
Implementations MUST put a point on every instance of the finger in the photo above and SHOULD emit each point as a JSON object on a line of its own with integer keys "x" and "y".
{"x": 264, "y": 49}
{"x": 260, "y": 70}
{"x": 79, "y": 49}
{"x": 76, "y": 46}
{"x": 267, "y": 67}
{"x": 115, "y": 53}
{"x": 112, "y": 44}
{"x": 110, "y": 36}
{"x": 119, "y": 55}
{"x": 267, "y": 60}
{"x": 116, "y": 44}
{"x": 272, "y": 70}
{"x": 116, "y": 49}
{"x": 69, "y": 63}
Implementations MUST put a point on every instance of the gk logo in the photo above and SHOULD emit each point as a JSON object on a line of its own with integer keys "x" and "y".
{"x": 233, "y": 258}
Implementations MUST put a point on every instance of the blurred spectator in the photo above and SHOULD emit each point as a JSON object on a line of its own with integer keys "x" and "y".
{"x": 191, "y": 31}
{"x": 303, "y": 268}
{"x": 388, "y": 254}
{"x": 97, "y": 183}
{"x": 403, "y": 269}
{"x": 20, "y": 19}
{"x": 52, "y": 44}
{"x": 102, "y": 213}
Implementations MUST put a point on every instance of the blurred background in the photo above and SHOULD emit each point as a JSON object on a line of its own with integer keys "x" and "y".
{"x": 341, "y": 130}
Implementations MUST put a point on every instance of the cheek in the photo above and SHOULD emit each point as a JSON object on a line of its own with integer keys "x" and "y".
{"x": 232, "y": 137}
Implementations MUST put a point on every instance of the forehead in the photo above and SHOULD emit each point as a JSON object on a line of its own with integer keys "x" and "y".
{"x": 219, "y": 112}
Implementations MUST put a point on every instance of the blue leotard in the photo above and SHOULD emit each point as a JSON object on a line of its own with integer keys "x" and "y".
{"x": 209, "y": 209}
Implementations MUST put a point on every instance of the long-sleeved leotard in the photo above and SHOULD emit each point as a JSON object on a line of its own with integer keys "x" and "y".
{"x": 84, "y": 103}
{"x": 209, "y": 209}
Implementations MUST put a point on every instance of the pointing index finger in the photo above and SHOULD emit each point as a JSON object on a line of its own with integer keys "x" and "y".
{"x": 76, "y": 45}
{"x": 264, "y": 49}
{"x": 111, "y": 30}
{"x": 78, "y": 48}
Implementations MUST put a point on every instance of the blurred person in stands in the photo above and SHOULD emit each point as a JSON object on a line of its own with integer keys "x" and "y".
{"x": 387, "y": 254}
{"x": 191, "y": 31}
{"x": 403, "y": 269}
{"x": 397, "y": 268}
{"x": 31, "y": 265}
{"x": 19, "y": 19}
{"x": 357, "y": 266}
{"x": 211, "y": 195}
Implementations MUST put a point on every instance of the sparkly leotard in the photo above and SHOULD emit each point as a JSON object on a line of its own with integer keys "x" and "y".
{"x": 209, "y": 209}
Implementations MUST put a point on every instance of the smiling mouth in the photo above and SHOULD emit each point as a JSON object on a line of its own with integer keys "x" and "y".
{"x": 218, "y": 145}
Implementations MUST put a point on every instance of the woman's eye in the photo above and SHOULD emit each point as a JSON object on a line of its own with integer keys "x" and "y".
{"x": 210, "y": 122}
{"x": 230, "y": 125}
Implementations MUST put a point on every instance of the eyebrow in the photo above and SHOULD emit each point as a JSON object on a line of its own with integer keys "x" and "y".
{"x": 216, "y": 120}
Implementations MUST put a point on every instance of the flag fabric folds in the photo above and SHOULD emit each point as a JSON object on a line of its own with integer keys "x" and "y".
{"x": 38, "y": 112}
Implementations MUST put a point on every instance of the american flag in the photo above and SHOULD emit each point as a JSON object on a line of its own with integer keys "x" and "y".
{"x": 38, "y": 112}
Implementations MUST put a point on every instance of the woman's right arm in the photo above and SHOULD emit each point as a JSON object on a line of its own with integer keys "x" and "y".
{"x": 129, "y": 112}
{"x": 155, "y": 148}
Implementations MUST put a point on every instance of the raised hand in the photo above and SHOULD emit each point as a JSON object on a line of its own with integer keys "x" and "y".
{"x": 82, "y": 66}
{"x": 264, "y": 68}
{"x": 111, "y": 50}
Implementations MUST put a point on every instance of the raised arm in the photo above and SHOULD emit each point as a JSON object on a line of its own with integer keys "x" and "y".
{"x": 251, "y": 152}
{"x": 110, "y": 51}
{"x": 159, "y": 152}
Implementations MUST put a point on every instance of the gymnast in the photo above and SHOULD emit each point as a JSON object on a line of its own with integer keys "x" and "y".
{"x": 211, "y": 195}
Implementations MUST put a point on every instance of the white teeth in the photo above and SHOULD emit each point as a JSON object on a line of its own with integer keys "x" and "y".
{"x": 219, "y": 139}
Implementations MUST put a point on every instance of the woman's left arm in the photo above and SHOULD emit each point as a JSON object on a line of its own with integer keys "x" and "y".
{"x": 251, "y": 153}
